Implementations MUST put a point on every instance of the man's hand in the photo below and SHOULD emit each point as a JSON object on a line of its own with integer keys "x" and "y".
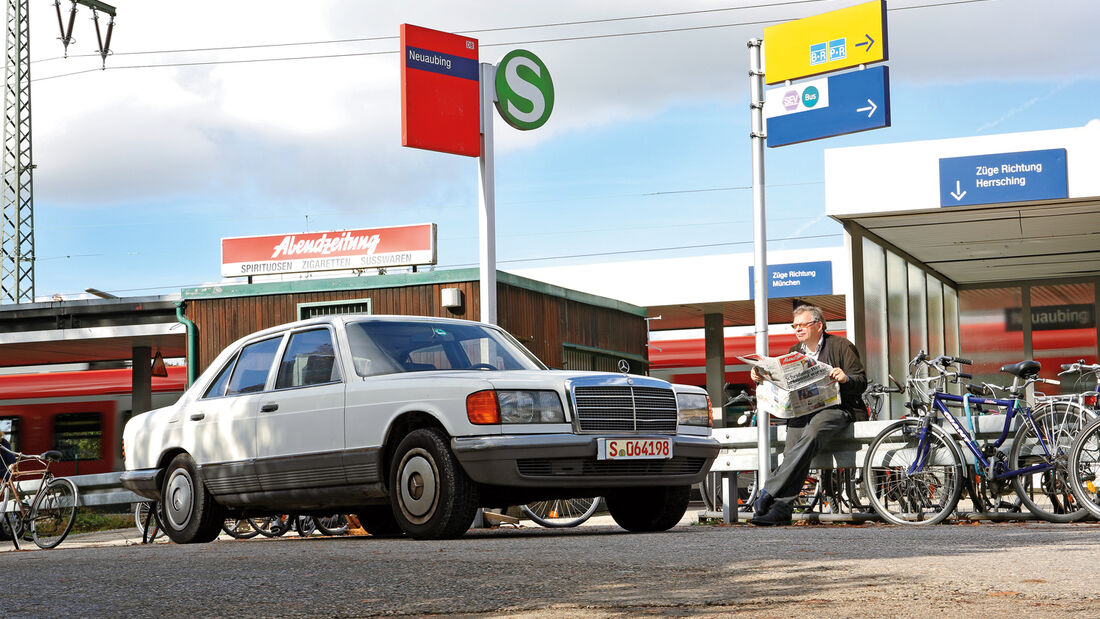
{"x": 838, "y": 375}
{"x": 755, "y": 375}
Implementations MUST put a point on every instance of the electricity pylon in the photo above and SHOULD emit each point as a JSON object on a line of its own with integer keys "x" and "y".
{"x": 16, "y": 192}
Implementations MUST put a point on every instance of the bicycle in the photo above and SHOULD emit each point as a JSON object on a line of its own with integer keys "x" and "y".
{"x": 49, "y": 513}
{"x": 914, "y": 468}
{"x": 1084, "y": 454}
{"x": 145, "y": 516}
{"x": 561, "y": 513}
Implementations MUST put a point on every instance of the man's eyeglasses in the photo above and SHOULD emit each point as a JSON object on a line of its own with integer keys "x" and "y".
{"x": 802, "y": 325}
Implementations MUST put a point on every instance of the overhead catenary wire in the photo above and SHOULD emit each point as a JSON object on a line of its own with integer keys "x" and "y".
{"x": 510, "y": 43}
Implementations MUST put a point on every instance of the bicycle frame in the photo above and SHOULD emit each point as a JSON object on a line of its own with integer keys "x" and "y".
{"x": 12, "y": 494}
{"x": 939, "y": 400}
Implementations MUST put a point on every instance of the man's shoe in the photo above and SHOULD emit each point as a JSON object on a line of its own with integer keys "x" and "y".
{"x": 777, "y": 517}
{"x": 763, "y": 504}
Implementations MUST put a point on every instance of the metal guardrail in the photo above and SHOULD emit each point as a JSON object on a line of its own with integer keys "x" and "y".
{"x": 95, "y": 490}
{"x": 739, "y": 449}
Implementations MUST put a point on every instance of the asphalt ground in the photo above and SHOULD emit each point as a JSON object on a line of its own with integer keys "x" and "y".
{"x": 596, "y": 570}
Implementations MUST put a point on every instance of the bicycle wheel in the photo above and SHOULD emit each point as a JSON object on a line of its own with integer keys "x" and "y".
{"x": 141, "y": 513}
{"x": 304, "y": 525}
{"x": 52, "y": 520}
{"x": 929, "y": 493}
{"x": 271, "y": 526}
{"x": 1047, "y": 493}
{"x": 239, "y": 528}
{"x": 335, "y": 524}
{"x": 559, "y": 513}
{"x": 1084, "y": 458}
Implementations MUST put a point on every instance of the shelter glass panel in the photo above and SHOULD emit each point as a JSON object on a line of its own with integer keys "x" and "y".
{"x": 950, "y": 321}
{"x": 985, "y": 333}
{"x": 935, "y": 316}
{"x": 918, "y": 310}
{"x": 897, "y": 315}
{"x": 874, "y": 309}
{"x": 1063, "y": 330}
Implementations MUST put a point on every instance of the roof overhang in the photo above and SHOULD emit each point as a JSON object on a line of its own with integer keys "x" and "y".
{"x": 1000, "y": 242}
{"x": 90, "y": 344}
{"x": 739, "y": 313}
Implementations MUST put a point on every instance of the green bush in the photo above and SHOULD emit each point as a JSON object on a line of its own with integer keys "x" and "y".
{"x": 90, "y": 521}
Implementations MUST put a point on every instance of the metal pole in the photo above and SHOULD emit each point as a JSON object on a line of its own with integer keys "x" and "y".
{"x": 760, "y": 286}
{"x": 487, "y": 201}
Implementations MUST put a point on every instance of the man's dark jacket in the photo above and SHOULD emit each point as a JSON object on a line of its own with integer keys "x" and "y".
{"x": 840, "y": 353}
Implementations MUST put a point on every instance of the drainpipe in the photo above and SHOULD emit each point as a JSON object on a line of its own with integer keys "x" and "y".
{"x": 192, "y": 363}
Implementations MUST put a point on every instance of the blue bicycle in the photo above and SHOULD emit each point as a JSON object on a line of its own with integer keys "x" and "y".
{"x": 914, "y": 471}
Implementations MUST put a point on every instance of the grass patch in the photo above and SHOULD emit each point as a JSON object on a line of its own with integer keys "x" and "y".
{"x": 90, "y": 522}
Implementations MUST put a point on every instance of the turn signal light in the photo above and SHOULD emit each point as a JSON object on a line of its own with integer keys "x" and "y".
{"x": 481, "y": 407}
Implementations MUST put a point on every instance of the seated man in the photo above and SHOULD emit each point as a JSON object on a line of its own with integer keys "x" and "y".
{"x": 806, "y": 434}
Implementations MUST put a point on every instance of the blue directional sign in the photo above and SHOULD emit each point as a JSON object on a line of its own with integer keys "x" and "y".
{"x": 845, "y": 103}
{"x": 797, "y": 279}
{"x": 1003, "y": 177}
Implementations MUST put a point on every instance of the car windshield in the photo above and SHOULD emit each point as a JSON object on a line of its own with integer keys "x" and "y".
{"x": 388, "y": 347}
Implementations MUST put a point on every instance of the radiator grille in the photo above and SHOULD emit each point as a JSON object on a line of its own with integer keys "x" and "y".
{"x": 625, "y": 408}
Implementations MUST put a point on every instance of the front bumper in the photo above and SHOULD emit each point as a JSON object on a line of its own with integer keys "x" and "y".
{"x": 143, "y": 481}
{"x": 569, "y": 461}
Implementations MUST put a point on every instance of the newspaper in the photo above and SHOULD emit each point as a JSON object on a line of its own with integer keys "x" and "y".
{"x": 794, "y": 385}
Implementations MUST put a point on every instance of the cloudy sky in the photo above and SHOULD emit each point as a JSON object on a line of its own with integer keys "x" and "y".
{"x": 218, "y": 119}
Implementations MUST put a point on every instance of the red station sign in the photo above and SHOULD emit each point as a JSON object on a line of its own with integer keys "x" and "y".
{"x": 440, "y": 101}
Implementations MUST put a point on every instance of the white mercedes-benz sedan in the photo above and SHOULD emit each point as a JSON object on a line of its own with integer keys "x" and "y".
{"x": 412, "y": 423}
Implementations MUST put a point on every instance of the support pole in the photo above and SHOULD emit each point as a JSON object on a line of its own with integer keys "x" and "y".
{"x": 760, "y": 246}
{"x": 487, "y": 251}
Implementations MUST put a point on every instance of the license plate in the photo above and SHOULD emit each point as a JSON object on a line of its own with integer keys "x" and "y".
{"x": 633, "y": 449}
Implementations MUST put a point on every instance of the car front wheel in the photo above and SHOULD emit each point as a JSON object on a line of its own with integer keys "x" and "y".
{"x": 188, "y": 513}
{"x": 432, "y": 496}
{"x": 644, "y": 510}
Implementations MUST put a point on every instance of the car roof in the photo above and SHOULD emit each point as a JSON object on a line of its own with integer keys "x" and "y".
{"x": 341, "y": 319}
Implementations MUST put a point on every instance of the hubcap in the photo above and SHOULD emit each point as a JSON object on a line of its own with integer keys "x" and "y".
{"x": 178, "y": 497}
{"x": 418, "y": 487}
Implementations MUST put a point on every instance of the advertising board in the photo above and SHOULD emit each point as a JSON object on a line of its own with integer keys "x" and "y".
{"x": 369, "y": 248}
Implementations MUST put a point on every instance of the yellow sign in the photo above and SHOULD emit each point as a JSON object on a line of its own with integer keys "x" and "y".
{"x": 826, "y": 42}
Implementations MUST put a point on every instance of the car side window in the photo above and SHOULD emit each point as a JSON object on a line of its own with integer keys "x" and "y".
{"x": 253, "y": 366}
{"x": 217, "y": 388}
{"x": 310, "y": 359}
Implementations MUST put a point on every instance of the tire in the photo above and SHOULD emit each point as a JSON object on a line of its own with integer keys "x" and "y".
{"x": 271, "y": 526}
{"x": 1048, "y": 494}
{"x": 379, "y": 521}
{"x": 239, "y": 528}
{"x": 141, "y": 512}
{"x": 304, "y": 525}
{"x": 925, "y": 497}
{"x": 711, "y": 490}
{"x": 56, "y": 512}
{"x": 647, "y": 510}
{"x": 561, "y": 513}
{"x": 188, "y": 514}
{"x": 432, "y": 496}
{"x": 1084, "y": 458}
{"x": 335, "y": 524}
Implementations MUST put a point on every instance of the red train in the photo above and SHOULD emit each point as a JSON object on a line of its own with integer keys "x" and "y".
{"x": 80, "y": 414}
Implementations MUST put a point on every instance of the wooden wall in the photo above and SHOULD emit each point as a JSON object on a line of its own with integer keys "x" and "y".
{"x": 543, "y": 322}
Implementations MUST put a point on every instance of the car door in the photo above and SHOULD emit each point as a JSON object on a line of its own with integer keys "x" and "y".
{"x": 223, "y": 422}
{"x": 300, "y": 427}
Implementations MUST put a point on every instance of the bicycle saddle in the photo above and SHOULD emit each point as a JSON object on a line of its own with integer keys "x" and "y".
{"x": 52, "y": 455}
{"x": 1022, "y": 369}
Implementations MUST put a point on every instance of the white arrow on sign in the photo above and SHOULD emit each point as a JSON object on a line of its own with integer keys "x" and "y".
{"x": 871, "y": 107}
{"x": 959, "y": 191}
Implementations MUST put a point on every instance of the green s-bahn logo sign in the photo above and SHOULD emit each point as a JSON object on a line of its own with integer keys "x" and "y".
{"x": 525, "y": 92}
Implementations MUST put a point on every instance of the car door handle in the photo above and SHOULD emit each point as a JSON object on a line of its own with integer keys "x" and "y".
{"x": 198, "y": 416}
{"x": 269, "y": 408}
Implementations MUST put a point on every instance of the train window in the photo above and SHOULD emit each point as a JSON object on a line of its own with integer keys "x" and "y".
{"x": 78, "y": 436}
{"x": 309, "y": 360}
{"x": 253, "y": 366}
{"x": 10, "y": 427}
{"x": 217, "y": 388}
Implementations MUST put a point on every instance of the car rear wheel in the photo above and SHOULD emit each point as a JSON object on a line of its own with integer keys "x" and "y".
{"x": 643, "y": 510}
{"x": 188, "y": 513}
{"x": 432, "y": 496}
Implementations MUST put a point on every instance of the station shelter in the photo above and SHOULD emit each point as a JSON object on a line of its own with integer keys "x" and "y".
{"x": 986, "y": 247}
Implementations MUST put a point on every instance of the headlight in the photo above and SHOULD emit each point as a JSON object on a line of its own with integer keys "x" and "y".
{"x": 694, "y": 409}
{"x": 530, "y": 407}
